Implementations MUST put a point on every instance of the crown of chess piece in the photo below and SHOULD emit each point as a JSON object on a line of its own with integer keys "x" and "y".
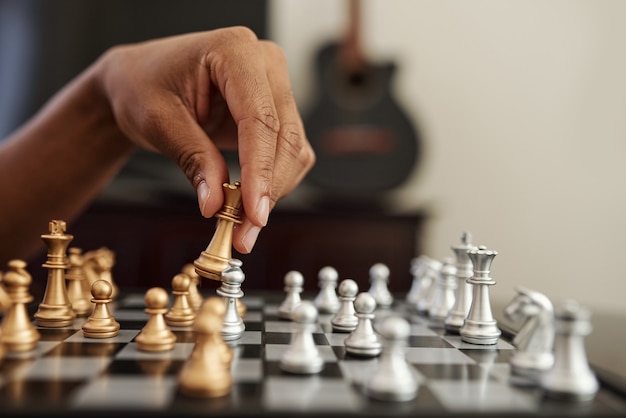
{"x": 55, "y": 310}
{"x": 480, "y": 327}
{"x": 181, "y": 314}
{"x": 571, "y": 377}
{"x": 156, "y": 334}
{"x": 101, "y": 323}
{"x": 364, "y": 341}
{"x": 379, "y": 285}
{"x": 302, "y": 355}
{"x": 18, "y": 333}
{"x": 214, "y": 259}
{"x": 326, "y": 300}
{"x": 345, "y": 319}
{"x": 463, "y": 296}
{"x": 393, "y": 380}
{"x": 230, "y": 290}
{"x": 206, "y": 373}
{"x": 77, "y": 283}
{"x": 534, "y": 341}
{"x": 195, "y": 297}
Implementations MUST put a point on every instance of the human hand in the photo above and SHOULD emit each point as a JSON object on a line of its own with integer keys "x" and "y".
{"x": 189, "y": 96}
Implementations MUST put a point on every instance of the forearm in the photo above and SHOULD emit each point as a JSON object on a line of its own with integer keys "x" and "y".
{"x": 54, "y": 165}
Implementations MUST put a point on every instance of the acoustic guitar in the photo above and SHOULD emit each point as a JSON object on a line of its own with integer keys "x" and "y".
{"x": 364, "y": 141}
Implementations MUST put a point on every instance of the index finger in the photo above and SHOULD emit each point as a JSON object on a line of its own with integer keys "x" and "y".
{"x": 242, "y": 80}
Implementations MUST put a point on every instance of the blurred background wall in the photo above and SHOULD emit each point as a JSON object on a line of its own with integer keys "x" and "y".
{"x": 520, "y": 105}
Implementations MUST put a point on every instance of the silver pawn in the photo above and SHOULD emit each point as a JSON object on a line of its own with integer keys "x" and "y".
{"x": 446, "y": 284}
{"x": 420, "y": 283}
{"x": 326, "y": 300}
{"x": 433, "y": 267}
{"x": 294, "y": 280}
{"x": 364, "y": 341}
{"x": 571, "y": 378}
{"x": 480, "y": 327}
{"x": 345, "y": 319}
{"x": 379, "y": 282}
{"x": 463, "y": 297}
{"x": 230, "y": 290}
{"x": 302, "y": 355}
{"x": 394, "y": 379}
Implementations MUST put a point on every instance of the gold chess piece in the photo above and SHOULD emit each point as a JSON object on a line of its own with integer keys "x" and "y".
{"x": 156, "y": 335}
{"x": 195, "y": 297}
{"x": 214, "y": 259}
{"x": 181, "y": 314}
{"x": 18, "y": 332}
{"x": 101, "y": 323}
{"x": 77, "y": 283}
{"x": 98, "y": 265}
{"x": 56, "y": 310}
{"x": 206, "y": 374}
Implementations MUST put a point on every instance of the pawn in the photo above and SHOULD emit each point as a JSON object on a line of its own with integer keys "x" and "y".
{"x": 394, "y": 379}
{"x": 446, "y": 287}
{"x": 206, "y": 373}
{"x": 326, "y": 300}
{"x": 181, "y": 314}
{"x": 77, "y": 283}
{"x": 195, "y": 297}
{"x": 571, "y": 377}
{"x": 155, "y": 335}
{"x": 101, "y": 323}
{"x": 230, "y": 290}
{"x": 379, "y": 285}
{"x": 18, "y": 333}
{"x": 364, "y": 341}
{"x": 302, "y": 355}
{"x": 293, "y": 287}
{"x": 345, "y": 319}
{"x": 241, "y": 307}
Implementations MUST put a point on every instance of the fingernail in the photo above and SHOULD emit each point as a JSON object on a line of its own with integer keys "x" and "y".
{"x": 249, "y": 239}
{"x": 203, "y": 193}
{"x": 263, "y": 209}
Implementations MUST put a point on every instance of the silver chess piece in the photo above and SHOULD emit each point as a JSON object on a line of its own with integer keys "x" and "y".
{"x": 364, "y": 341}
{"x": 302, "y": 355}
{"x": 230, "y": 290}
{"x": 533, "y": 342}
{"x": 326, "y": 300}
{"x": 463, "y": 296}
{"x": 432, "y": 269}
{"x": 480, "y": 327}
{"x": 379, "y": 285}
{"x": 345, "y": 319}
{"x": 420, "y": 281}
{"x": 294, "y": 280}
{"x": 446, "y": 287}
{"x": 394, "y": 379}
{"x": 571, "y": 377}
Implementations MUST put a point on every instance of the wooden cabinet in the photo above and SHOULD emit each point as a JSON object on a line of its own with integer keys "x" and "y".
{"x": 153, "y": 242}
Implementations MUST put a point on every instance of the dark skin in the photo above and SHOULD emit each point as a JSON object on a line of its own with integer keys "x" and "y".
{"x": 187, "y": 97}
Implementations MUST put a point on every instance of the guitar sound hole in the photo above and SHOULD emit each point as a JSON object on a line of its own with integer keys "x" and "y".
{"x": 356, "y": 79}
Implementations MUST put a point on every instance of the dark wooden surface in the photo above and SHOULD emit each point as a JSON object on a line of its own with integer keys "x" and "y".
{"x": 153, "y": 242}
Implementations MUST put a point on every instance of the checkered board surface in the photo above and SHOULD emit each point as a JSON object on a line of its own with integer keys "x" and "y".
{"x": 70, "y": 374}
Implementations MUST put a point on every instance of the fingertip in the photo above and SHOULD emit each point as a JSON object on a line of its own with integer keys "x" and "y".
{"x": 209, "y": 203}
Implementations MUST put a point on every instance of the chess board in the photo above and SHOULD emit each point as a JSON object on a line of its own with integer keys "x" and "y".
{"x": 68, "y": 374}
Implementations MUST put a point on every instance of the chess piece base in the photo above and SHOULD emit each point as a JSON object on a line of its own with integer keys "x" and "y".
{"x": 481, "y": 333}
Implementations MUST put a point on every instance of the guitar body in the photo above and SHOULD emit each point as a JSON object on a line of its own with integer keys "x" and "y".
{"x": 364, "y": 141}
